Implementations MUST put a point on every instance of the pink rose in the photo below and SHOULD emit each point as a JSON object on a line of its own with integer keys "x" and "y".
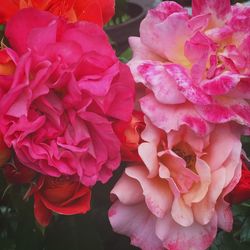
{"x": 196, "y": 67}
{"x": 67, "y": 90}
{"x": 176, "y": 199}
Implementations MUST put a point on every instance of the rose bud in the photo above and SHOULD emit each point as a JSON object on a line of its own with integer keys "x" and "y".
{"x": 129, "y": 136}
{"x": 241, "y": 192}
{"x": 61, "y": 195}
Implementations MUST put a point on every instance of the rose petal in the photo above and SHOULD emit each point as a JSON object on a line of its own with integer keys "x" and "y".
{"x": 165, "y": 30}
{"x": 42, "y": 214}
{"x": 172, "y": 117}
{"x": 161, "y": 83}
{"x": 156, "y": 191}
{"x": 177, "y": 237}
{"x": 19, "y": 27}
{"x": 140, "y": 227}
{"x": 129, "y": 196}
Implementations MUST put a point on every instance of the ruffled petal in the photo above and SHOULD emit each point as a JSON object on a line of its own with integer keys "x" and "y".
{"x": 158, "y": 197}
{"x": 173, "y": 116}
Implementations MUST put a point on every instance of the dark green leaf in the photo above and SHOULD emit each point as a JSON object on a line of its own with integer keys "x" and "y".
{"x": 245, "y": 139}
{"x": 224, "y": 241}
{"x": 245, "y": 231}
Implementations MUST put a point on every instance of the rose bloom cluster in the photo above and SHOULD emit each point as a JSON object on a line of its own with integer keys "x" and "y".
{"x": 68, "y": 116}
{"x": 62, "y": 89}
{"x": 193, "y": 73}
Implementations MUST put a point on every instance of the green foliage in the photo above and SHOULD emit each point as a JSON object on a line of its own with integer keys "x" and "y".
{"x": 1, "y": 33}
{"x": 239, "y": 238}
{"x": 224, "y": 241}
{"x": 126, "y": 55}
{"x": 121, "y": 15}
{"x": 18, "y": 228}
{"x": 245, "y": 231}
{"x": 245, "y": 139}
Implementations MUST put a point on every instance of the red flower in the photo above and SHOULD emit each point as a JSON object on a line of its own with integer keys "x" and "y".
{"x": 97, "y": 11}
{"x": 242, "y": 191}
{"x": 4, "y": 152}
{"x": 61, "y": 195}
{"x": 7, "y": 69}
{"x": 17, "y": 173}
{"x": 7, "y": 66}
{"x": 129, "y": 136}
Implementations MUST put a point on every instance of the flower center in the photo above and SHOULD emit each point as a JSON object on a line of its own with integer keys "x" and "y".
{"x": 186, "y": 153}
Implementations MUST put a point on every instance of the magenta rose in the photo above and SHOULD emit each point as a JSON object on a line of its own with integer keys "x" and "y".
{"x": 197, "y": 66}
{"x": 175, "y": 198}
{"x": 67, "y": 90}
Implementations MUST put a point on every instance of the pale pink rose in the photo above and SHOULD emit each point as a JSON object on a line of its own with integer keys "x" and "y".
{"x": 197, "y": 67}
{"x": 67, "y": 90}
{"x": 176, "y": 200}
